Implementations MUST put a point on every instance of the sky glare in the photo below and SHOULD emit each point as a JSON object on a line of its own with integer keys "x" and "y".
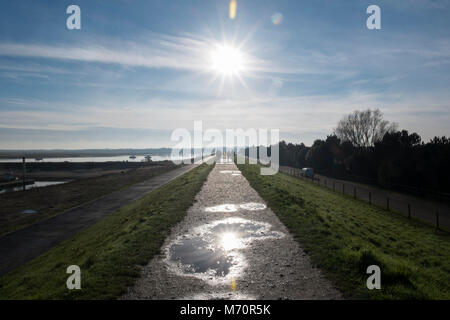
{"x": 137, "y": 70}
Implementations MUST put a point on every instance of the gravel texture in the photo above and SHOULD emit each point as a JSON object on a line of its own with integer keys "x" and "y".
{"x": 265, "y": 263}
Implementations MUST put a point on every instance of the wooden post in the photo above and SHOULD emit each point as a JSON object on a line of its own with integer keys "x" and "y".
{"x": 370, "y": 197}
{"x": 354, "y": 192}
{"x": 325, "y": 183}
{"x": 437, "y": 219}
{"x": 334, "y": 187}
{"x": 409, "y": 211}
{"x": 23, "y": 174}
{"x": 387, "y": 203}
{"x": 343, "y": 188}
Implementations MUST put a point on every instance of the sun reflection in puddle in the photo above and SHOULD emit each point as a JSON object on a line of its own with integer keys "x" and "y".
{"x": 232, "y": 172}
{"x": 235, "y": 295}
{"x": 228, "y": 207}
{"x": 211, "y": 252}
{"x": 253, "y": 206}
{"x": 229, "y": 241}
{"x": 223, "y": 208}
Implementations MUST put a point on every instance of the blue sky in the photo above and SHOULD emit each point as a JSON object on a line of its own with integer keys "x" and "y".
{"x": 137, "y": 70}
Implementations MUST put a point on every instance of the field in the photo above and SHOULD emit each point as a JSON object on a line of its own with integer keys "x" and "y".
{"x": 109, "y": 253}
{"x": 344, "y": 236}
{"x": 52, "y": 200}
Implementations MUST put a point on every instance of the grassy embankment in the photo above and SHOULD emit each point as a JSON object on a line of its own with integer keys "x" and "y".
{"x": 344, "y": 236}
{"x": 110, "y": 251}
{"x": 52, "y": 200}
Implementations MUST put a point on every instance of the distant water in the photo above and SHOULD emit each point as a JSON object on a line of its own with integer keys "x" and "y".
{"x": 37, "y": 184}
{"x": 90, "y": 159}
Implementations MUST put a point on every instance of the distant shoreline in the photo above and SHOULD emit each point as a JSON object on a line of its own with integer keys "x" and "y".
{"x": 15, "y": 154}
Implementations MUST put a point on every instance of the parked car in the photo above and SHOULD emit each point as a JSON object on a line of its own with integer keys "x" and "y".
{"x": 307, "y": 173}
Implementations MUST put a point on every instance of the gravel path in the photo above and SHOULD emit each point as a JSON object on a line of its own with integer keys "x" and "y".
{"x": 230, "y": 246}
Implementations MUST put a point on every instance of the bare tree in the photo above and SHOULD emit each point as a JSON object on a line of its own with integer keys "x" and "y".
{"x": 364, "y": 128}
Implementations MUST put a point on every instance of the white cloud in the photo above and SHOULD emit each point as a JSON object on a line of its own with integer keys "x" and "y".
{"x": 290, "y": 114}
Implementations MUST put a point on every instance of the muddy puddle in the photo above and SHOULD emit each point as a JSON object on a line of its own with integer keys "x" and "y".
{"x": 213, "y": 252}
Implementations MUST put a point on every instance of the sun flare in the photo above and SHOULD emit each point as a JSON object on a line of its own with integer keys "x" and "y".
{"x": 227, "y": 60}
{"x": 229, "y": 241}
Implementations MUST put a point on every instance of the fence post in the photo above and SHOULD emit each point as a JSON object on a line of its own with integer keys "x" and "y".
{"x": 343, "y": 188}
{"x": 409, "y": 211}
{"x": 370, "y": 197}
{"x": 325, "y": 183}
{"x": 387, "y": 203}
{"x": 437, "y": 219}
{"x": 334, "y": 187}
{"x": 24, "y": 173}
{"x": 354, "y": 192}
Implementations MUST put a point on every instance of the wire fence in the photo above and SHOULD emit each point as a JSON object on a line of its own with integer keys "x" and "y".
{"x": 429, "y": 212}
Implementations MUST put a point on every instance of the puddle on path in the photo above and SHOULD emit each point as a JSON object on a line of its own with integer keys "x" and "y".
{"x": 221, "y": 296}
{"x": 223, "y": 208}
{"x": 229, "y": 207}
{"x": 226, "y": 161}
{"x": 253, "y": 206}
{"x": 211, "y": 252}
{"x": 197, "y": 256}
{"x": 232, "y": 172}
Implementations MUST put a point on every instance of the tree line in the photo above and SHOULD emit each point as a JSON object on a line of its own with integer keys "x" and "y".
{"x": 366, "y": 148}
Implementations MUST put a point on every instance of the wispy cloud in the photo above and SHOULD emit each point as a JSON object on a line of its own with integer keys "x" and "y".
{"x": 142, "y": 57}
{"x": 293, "y": 114}
{"x": 164, "y": 51}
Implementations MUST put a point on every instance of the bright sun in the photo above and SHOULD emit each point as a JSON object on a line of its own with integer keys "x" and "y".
{"x": 227, "y": 60}
{"x": 229, "y": 241}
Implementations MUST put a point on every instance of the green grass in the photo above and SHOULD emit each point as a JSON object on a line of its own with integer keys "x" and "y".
{"x": 343, "y": 236}
{"x": 109, "y": 253}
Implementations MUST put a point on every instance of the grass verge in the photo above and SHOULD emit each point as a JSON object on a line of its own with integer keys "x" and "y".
{"x": 109, "y": 253}
{"x": 343, "y": 236}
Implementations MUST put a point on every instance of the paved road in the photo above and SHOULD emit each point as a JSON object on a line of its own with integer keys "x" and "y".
{"x": 230, "y": 246}
{"x": 24, "y": 245}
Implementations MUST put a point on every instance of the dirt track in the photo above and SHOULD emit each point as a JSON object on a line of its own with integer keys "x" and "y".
{"x": 230, "y": 246}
